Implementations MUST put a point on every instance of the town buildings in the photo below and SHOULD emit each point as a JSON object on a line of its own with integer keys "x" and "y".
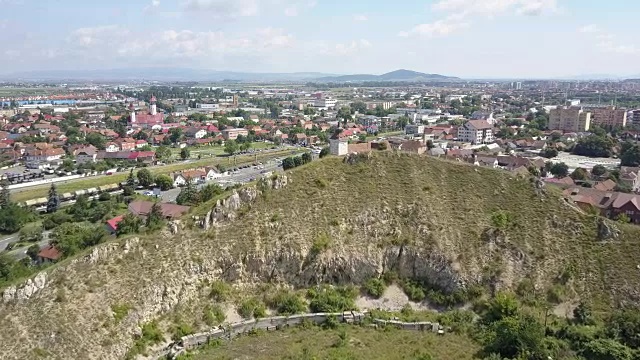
{"x": 476, "y": 132}
{"x": 569, "y": 119}
{"x": 609, "y": 116}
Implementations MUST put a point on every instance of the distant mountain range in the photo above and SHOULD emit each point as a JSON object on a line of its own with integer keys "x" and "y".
{"x": 398, "y": 75}
{"x": 186, "y": 74}
{"x": 159, "y": 74}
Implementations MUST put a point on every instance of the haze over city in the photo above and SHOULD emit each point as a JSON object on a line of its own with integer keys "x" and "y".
{"x": 464, "y": 38}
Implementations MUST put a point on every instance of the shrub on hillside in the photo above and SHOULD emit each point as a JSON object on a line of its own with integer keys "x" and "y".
{"x": 413, "y": 290}
{"x": 220, "y": 291}
{"x": 332, "y": 299}
{"x": 286, "y": 303}
{"x": 375, "y": 287}
{"x": 252, "y": 308}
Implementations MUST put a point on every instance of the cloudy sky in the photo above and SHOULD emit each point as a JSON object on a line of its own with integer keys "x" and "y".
{"x": 467, "y": 38}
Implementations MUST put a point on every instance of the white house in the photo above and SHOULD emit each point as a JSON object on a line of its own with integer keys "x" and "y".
{"x": 86, "y": 156}
{"x": 179, "y": 180}
{"x": 44, "y": 155}
{"x": 476, "y": 132}
{"x": 112, "y": 147}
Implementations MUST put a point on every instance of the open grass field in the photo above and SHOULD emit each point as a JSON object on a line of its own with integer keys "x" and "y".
{"x": 35, "y": 192}
{"x": 345, "y": 342}
{"x": 216, "y": 150}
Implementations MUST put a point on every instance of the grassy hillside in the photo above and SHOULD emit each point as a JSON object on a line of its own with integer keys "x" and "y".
{"x": 431, "y": 221}
{"x": 345, "y": 342}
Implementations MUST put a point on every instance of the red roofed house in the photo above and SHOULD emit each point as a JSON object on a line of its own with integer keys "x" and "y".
{"x": 49, "y": 254}
{"x": 169, "y": 211}
{"x": 112, "y": 225}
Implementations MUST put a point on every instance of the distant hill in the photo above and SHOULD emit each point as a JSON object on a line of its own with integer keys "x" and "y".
{"x": 397, "y": 75}
{"x": 159, "y": 74}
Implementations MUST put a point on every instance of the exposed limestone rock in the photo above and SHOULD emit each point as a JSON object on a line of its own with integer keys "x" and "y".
{"x": 355, "y": 158}
{"x": 607, "y": 230}
{"x": 27, "y": 290}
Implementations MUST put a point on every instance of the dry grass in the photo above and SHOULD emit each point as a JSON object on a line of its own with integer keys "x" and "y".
{"x": 346, "y": 342}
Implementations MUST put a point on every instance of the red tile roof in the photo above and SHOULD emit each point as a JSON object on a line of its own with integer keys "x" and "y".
{"x": 114, "y": 222}
{"x": 50, "y": 252}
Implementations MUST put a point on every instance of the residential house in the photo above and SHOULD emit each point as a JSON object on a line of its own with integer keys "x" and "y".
{"x": 414, "y": 146}
{"x": 141, "y": 143}
{"x": 483, "y": 160}
{"x": 233, "y": 133}
{"x": 126, "y": 144}
{"x": 147, "y": 157}
{"x": 607, "y": 185}
{"x": 112, "y": 224}
{"x": 609, "y": 204}
{"x": 111, "y": 147}
{"x": 88, "y": 154}
{"x": 197, "y": 133}
{"x": 46, "y": 155}
{"x": 48, "y": 254}
{"x": 169, "y": 211}
{"x": 630, "y": 176}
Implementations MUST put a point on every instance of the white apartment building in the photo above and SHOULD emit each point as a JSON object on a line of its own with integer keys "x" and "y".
{"x": 476, "y": 132}
{"x": 569, "y": 119}
{"x": 325, "y": 103}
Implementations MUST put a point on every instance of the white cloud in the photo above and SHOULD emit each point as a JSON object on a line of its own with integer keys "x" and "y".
{"x": 349, "y": 48}
{"x": 223, "y": 8}
{"x": 153, "y": 6}
{"x": 291, "y": 11}
{"x": 608, "y": 42}
{"x": 360, "y": 17}
{"x": 106, "y": 41}
{"x": 591, "y": 28}
{"x": 441, "y": 27}
{"x": 459, "y": 12}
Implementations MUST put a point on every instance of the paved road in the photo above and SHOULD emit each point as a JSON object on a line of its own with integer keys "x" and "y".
{"x": 22, "y": 252}
{"x": 241, "y": 176}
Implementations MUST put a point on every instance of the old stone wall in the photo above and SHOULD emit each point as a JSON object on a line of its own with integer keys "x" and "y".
{"x": 193, "y": 341}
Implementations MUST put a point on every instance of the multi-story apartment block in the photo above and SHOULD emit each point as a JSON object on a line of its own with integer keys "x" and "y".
{"x": 476, "y": 132}
{"x": 569, "y": 119}
{"x": 609, "y": 116}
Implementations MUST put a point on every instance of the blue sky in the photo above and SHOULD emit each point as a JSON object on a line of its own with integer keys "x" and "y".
{"x": 467, "y": 38}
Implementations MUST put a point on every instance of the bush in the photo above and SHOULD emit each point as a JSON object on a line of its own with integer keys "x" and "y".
{"x": 213, "y": 315}
{"x": 252, "y": 308}
{"x": 332, "y": 299}
{"x": 321, "y": 243}
{"x": 181, "y": 330}
{"x": 120, "y": 311}
{"x": 220, "y": 291}
{"x": 31, "y": 233}
{"x": 105, "y": 196}
{"x": 501, "y": 220}
{"x": 413, "y": 291}
{"x": 286, "y": 303}
{"x": 375, "y": 287}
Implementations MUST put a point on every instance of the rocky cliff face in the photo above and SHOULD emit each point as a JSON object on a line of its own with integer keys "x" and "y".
{"x": 328, "y": 226}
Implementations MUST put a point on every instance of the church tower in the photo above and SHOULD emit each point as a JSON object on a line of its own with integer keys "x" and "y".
{"x": 132, "y": 109}
{"x": 152, "y": 109}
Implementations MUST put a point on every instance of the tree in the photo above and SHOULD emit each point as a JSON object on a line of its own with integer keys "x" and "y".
{"x": 53, "y": 202}
{"x": 32, "y": 252}
{"x": 549, "y": 153}
{"x": 598, "y": 170}
{"x": 324, "y": 152}
{"x": 629, "y": 155}
{"x": 344, "y": 113}
{"x": 164, "y": 182}
{"x": 297, "y": 161}
{"x": 31, "y": 233}
{"x": 230, "y": 147}
{"x": 579, "y": 174}
{"x": 175, "y": 134}
{"x": 96, "y": 139}
{"x": 209, "y": 192}
{"x": 606, "y": 349}
{"x": 163, "y": 153}
{"x": 5, "y": 195}
{"x": 519, "y": 336}
{"x": 501, "y": 306}
{"x": 131, "y": 180}
{"x": 188, "y": 195}
{"x": 185, "y": 153}
{"x": 129, "y": 224}
{"x": 582, "y": 314}
{"x": 145, "y": 178}
{"x": 594, "y": 145}
{"x": 288, "y": 163}
{"x": 625, "y": 325}
{"x": 245, "y": 146}
{"x": 155, "y": 217}
{"x": 559, "y": 170}
{"x": 13, "y": 217}
{"x": 306, "y": 158}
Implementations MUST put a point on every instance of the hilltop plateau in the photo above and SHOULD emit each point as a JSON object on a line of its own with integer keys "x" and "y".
{"x": 451, "y": 231}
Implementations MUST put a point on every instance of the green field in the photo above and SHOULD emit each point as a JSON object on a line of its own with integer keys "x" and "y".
{"x": 344, "y": 342}
{"x": 215, "y": 150}
{"x": 39, "y": 191}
